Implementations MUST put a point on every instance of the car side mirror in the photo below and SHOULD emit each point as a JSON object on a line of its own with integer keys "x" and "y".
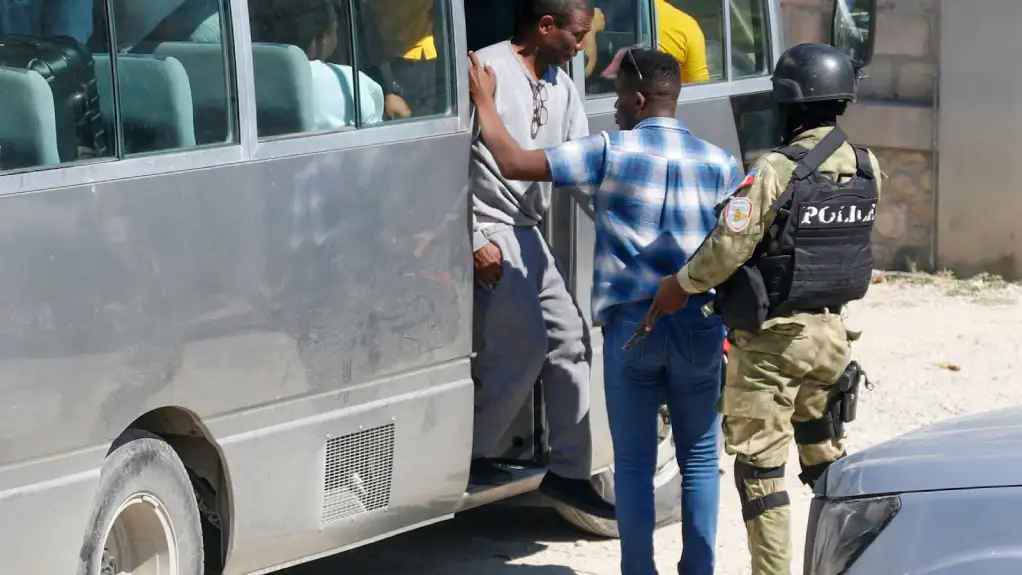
{"x": 853, "y": 30}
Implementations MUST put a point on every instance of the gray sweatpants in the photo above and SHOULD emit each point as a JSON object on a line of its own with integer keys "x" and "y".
{"x": 528, "y": 326}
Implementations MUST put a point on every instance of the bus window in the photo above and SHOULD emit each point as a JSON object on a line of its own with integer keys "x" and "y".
{"x": 56, "y": 95}
{"x": 692, "y": 32}
{"x": 757, "y": 121}
{"x": 173, "y": 75}
{"x": 301, "y": 58}
{"x": 403, "y": 46}
{"x": 616, "y": 24}
{"x": 750, "y": 39}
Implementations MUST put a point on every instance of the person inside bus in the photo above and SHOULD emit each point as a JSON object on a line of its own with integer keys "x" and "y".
{"x": 43, "y": 18}
{"x": 527, "y": 324}
{"x": 314, "y": 26}
{"x": 612, "y": 15}
{"x": 679, "y": 35}
{"x": 590, "y": 48}
{"x": 403, "y": 54}
{"x": 654, "y": 187}
{"x": 195, "y": 21}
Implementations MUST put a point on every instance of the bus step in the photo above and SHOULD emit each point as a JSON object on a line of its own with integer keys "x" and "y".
{"x": 523, "y": 480}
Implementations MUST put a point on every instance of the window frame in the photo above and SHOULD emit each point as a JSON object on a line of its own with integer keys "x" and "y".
{"x": 248, "y": 148}
{"x": 729, "y": 86}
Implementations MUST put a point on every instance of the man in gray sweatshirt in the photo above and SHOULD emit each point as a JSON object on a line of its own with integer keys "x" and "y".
{"x": 527, "y": 324}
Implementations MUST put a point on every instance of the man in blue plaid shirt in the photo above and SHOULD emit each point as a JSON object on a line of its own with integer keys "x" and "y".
{"x": 654, "y": 187}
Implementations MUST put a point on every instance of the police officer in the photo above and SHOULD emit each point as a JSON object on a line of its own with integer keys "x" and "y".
{"x": 791, "y": 248}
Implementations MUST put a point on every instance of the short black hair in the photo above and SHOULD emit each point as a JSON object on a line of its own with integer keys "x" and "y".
{"x": 656, "y": 73}
{"x": 530, "y": 12}
{"x": 294, "y": 22}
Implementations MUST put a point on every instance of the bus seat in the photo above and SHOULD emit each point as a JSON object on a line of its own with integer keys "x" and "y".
{"x": 283, "y": 87}
{"x": 28, "y": 122}
{"x": 204, "y": 65}
{"x": 155, "y": 99}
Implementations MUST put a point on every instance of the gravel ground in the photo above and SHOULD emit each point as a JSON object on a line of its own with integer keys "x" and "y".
{"x": 935, "y": 348}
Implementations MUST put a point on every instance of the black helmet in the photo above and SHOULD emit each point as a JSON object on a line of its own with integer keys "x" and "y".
{"x": 814, "y": 73}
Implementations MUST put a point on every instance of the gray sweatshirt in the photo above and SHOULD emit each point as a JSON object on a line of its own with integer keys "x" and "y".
{"x": 494, "y": 198}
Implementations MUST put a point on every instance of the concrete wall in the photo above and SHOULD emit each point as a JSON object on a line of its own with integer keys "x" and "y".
{"x": 980, "y": 139}
{"x": 894, "y": 117}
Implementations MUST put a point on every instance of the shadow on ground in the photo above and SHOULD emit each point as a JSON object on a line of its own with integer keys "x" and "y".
{"x": 484, "y": 541}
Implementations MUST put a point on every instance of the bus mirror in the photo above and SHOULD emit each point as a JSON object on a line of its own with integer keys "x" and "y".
{"x": 853, "y": 30}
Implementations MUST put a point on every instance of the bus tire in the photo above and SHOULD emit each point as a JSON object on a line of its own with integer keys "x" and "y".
{"x": 666, "y": 490}
{"x": 145, "y": 519}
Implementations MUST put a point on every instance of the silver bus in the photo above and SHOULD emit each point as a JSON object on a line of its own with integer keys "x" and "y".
{"x": 236, "y": 278}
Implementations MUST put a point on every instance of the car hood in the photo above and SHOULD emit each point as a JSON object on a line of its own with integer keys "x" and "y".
{"x": 981, "y": 450}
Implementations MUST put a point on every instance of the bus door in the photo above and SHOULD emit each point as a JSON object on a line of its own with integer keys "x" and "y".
{"x": 488, "y": 22}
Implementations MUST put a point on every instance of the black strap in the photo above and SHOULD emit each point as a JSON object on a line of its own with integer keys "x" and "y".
{"x": 820, "y": 152}
{"x": 746, "y": 471}
{"x": 794, "y": 152}
{"x": 783, "y": 198}
{"x": 814, "y": 431}
{"x": 756, "y": 507}
{"x": 862, "y": 163}
{"x": 806, "y": 163}
{"x": 761, "y": 505}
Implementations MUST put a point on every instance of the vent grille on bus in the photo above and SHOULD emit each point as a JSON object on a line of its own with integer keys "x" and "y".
{"x": 359, "y": 468}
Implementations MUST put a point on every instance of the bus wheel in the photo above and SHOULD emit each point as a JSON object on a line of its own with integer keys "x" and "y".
{"x": 666, "y": 486}
{"x": 145, "y": 520}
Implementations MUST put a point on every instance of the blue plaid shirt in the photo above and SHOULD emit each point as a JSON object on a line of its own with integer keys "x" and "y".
{"x": 654, "y": 190}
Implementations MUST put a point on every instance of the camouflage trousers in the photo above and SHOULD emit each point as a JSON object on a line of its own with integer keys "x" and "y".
{"x": 783, "y": 373}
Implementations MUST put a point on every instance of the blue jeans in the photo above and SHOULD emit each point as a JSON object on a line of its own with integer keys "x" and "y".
{"x": 678, "y": 361}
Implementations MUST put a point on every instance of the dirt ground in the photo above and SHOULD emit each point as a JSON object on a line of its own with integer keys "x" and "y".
{"x": 936, "y": 347}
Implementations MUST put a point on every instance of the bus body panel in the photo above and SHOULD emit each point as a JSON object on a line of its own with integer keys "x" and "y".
{"x": 279, "y": 301}
{"x": 280, "y": 511}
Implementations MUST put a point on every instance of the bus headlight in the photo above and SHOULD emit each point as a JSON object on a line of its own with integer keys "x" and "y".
{"x": 844, "y": 529}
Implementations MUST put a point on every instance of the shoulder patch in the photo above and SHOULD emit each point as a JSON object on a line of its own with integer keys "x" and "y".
{"x": 738, "y": 214}
{"x": 749, "y": 178}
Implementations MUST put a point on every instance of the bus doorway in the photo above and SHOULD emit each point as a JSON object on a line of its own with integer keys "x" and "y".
{"x": 523, "y": 449}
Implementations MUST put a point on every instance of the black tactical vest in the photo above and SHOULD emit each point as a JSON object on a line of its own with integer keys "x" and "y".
{"x": 817, "y": 253}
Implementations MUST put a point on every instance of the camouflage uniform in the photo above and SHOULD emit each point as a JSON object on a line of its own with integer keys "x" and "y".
{"x": 786, "y": 370}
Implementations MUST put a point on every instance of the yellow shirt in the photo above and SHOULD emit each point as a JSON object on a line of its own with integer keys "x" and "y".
{"x": 406, "y": 27}
{"x": 679, "y": 35}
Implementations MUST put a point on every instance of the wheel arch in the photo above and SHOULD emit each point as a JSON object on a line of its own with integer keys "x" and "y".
{"x": 204, "y": 459}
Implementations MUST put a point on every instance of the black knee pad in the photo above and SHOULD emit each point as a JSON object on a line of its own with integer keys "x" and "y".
{"x": 812, "y": 473}
{"x": 756, "y": 507}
